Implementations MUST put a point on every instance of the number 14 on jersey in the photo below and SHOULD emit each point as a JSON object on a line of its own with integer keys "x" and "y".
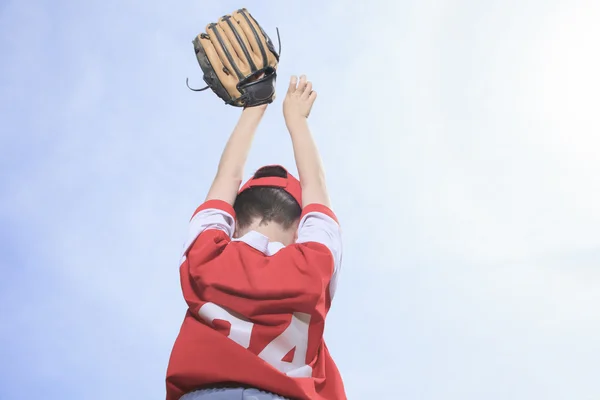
{"x": 294, "y": 337}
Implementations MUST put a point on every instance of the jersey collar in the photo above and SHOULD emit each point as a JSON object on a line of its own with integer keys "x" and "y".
{"x": 260, "y": 242}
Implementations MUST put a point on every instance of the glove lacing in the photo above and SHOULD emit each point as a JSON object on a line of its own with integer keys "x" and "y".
{"x": 205, "y": 36}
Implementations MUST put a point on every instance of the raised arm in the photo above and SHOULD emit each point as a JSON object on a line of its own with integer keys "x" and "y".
{"x": 318, "y": 223}
{"x": 231, "y": 167}
{"x": 296, "y": 109}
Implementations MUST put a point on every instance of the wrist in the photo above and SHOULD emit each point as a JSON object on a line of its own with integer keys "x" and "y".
{"x": 295, "y": 122}
{"x": 255, "y": 109}
{"x": 253, "y": 112}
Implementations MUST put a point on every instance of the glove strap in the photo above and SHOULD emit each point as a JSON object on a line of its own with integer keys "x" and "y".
{"x": 260, "y": 91}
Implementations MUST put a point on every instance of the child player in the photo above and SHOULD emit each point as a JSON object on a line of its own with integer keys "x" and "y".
{"x": 258, "y": 273}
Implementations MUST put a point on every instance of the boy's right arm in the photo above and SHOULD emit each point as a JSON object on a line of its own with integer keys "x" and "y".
{"x": 296, "y": 108}
{"x": 318, "y": 223}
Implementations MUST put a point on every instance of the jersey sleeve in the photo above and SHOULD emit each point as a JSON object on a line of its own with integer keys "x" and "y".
{"x": 318, "y": 224}
{"x": 211, "y": 215}
{"x": 210, "y": 230}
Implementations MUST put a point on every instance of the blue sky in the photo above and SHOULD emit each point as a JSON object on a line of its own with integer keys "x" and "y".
{"x": 460, "y": 140}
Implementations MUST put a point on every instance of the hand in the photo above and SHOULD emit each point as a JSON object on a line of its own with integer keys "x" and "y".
{"x": 298, "y": 99}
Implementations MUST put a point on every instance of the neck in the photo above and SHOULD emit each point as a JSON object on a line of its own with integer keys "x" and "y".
{"x": 275, "y": 232}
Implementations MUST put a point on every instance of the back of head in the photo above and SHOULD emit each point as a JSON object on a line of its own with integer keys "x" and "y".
{"x": 266, "y": 204}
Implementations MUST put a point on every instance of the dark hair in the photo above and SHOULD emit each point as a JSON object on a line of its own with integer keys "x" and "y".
{"x": 270, "y": 204}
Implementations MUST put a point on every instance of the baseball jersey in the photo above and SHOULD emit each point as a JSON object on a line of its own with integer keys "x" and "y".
{"x": 256, "y": 309}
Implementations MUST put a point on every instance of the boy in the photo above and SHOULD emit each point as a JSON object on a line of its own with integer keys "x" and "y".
{"x": 258, "y": 274}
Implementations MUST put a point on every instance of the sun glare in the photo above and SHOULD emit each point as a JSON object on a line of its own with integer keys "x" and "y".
{"x": 568, "y": 86}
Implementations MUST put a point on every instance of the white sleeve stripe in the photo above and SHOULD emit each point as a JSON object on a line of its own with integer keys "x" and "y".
{"x": 318, "y": 215}
{"x": 321, "y": 228}
{"x": 211, "y": 218}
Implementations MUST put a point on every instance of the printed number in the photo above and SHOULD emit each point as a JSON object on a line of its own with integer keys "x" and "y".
{"x": 294, "y": 337}
{"x": 241, "y": 329}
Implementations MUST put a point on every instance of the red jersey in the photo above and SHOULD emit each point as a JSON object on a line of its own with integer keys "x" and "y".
{"x": 256, "y": 309}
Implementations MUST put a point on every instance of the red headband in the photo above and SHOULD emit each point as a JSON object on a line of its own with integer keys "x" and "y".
{"x": 289, "y": 184}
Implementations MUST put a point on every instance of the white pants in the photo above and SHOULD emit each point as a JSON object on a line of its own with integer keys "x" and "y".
{"x": 231, "y": 394}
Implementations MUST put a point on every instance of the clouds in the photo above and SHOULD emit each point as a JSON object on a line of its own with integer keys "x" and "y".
{"x": 459, "y": 140}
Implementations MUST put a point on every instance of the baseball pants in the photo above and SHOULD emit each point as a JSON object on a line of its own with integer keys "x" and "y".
{"x": 231, "y": 394}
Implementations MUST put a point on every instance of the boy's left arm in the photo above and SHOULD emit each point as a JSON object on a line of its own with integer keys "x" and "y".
{"x": 213, "y": 223}
{"x": 230, "y": 172}
{"x": 217, "y": 210}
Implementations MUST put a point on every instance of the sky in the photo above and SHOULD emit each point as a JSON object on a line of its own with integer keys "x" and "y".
{"x": 460, "y": 140}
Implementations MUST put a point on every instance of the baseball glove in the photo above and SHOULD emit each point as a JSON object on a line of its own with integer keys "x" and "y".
{"x": 238, "y": 59}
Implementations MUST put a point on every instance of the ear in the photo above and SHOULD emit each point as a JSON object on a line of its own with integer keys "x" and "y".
{"x": 296, "y": 226}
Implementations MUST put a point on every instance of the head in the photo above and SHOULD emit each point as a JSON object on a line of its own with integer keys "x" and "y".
{"x": 270, "y": 210}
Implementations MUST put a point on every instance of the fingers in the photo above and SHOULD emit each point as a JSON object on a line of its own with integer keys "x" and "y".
{"x": 307, "y": 90}
{"x": 302, "y": 83}
{"x": 300, "y": 87}
{"x": 293, "y": 83}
